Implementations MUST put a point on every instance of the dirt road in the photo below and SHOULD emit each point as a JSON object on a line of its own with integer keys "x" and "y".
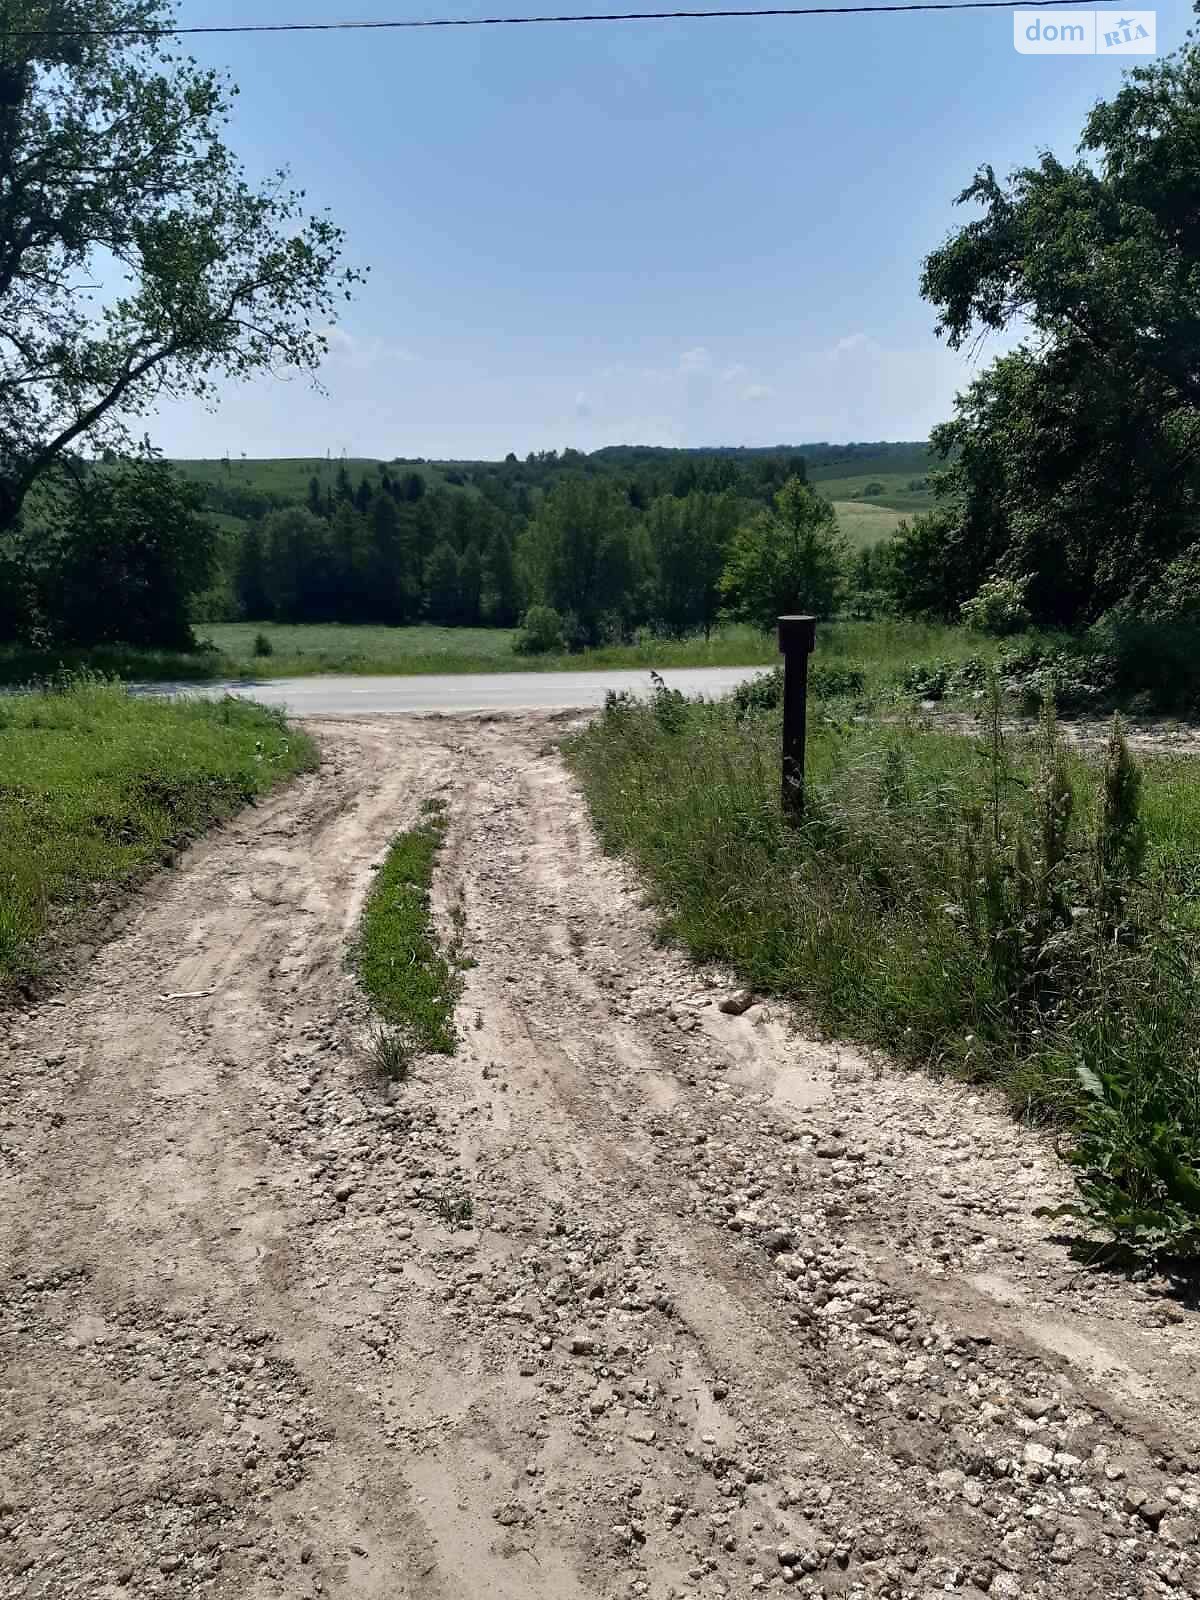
{"x": 631, "y": 1298}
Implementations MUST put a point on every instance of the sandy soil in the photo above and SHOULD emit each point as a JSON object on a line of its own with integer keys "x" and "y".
{"x": 631, "y": 1298}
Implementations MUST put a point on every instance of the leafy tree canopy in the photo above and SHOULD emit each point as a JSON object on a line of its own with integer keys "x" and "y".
{"x": 121, "y": 561}
{"x": 136, "y": 259}
{"x": 1074, "y": 457}
{"x": 790, "y": 558}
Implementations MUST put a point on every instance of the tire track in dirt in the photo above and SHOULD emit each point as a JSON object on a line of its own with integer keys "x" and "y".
{"x": 631, "y": 1298}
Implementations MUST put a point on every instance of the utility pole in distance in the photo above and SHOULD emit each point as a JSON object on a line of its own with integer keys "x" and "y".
{"x": 797, "y": 638}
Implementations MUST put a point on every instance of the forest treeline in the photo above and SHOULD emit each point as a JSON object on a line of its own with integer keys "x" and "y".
{"x": 589, "y": 548}
{"x": 606, "y": 547}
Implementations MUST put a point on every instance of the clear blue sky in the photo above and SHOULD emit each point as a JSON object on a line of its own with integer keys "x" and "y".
{"x": 658, "y": 232}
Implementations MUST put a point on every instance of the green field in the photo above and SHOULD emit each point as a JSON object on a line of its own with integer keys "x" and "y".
{"x": 99, "y": 784}
{"x": 289, "y": 476}
{"x": 882, "y": 649}
{"x": 864, "y": 523}
{"x": 303, "y": 649}
{"x": 893, "y": 493}
{"x": 886, "y": 479}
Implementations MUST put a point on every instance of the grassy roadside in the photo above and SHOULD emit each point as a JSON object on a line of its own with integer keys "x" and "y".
{"x": 97, "y": 785}
{"x": 411, "y": 984}
{"x": 298, "y": 651}
{"x": 883, "y": 649}
{"x": 993, "y": 908}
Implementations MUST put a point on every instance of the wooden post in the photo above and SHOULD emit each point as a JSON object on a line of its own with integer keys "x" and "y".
{"x": 797, "y": 637}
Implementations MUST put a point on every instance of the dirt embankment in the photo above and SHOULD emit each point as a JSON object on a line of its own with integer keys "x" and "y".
{"x": 632, "y": 1298}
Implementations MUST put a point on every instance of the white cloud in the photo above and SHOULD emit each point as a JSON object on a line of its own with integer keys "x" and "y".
{"x": 853, "y": 343}
{"x": 359, "y": 354}
{"x": 757, "y": 391}
{"x": 697, "y": 360}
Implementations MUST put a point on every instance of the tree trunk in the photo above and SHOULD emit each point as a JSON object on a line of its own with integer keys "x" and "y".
{"x": 12, "y": 498}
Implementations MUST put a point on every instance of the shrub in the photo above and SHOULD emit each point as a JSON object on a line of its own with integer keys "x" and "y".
{"x": 263, "y": 645}
{"x": 541, "y": 632}
{"x": 1158, "y": 658}
{"x": 670, "y": 706}
{"x": 1076, "y": 676}
{"x": 832, "y": 682}
{"x": 765, "y": 693}
{"x": 756, "y": 695}
{"x": 998, "y": 607}
{"x": 1176, "y": 595}
{"x": 937, "y": 679}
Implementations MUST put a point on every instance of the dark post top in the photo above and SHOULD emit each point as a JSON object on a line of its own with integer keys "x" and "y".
{"x": 797, "y": 633}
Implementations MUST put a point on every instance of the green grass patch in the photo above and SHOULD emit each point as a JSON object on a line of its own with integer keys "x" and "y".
{"x": 944, "y": 899}
{"x": 301, "y": 650}
{"x": 863, "y": 524}
{"x": 306, "y": 650}
{"x": 884, "y": 649}
{"x": 97, "y": 784}
{"x": 412, "y": 985}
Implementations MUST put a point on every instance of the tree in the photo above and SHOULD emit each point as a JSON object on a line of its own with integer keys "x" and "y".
{"x": 295, "y": 563}
{"x": 689, "y": 541}
{"x": 16, "y": 602}
{"x": 124, "y": 557}
{"x": 934, "y": 566}
{"x": 470, "y": 585}
{"x": 441, "y": 583}
{"x": 349, "y": 600}
{"x": 1074, "y": 457}
{"x": 500, "y": 597}
{"x": 395, "y": 589}
{"x": 112, "y": 171}
{"x": 581, "y": 556}
{"x": 788, "y": 559}
{"x": 251, "y": 577}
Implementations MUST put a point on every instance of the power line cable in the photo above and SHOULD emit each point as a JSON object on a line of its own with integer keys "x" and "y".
{"x": 508, "y": 22}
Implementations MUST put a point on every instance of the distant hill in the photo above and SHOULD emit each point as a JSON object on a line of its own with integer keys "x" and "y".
{"x": 287, "y": 477}
{"x": 894, "y": 475}
{"x": 884, "y": 473}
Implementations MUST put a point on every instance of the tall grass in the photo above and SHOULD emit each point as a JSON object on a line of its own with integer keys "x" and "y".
{"x": 95, "y": 784}
{"x": 950, "y": 899}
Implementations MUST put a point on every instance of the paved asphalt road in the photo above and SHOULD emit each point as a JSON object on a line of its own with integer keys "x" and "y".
{"x": 500, "y": 691}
